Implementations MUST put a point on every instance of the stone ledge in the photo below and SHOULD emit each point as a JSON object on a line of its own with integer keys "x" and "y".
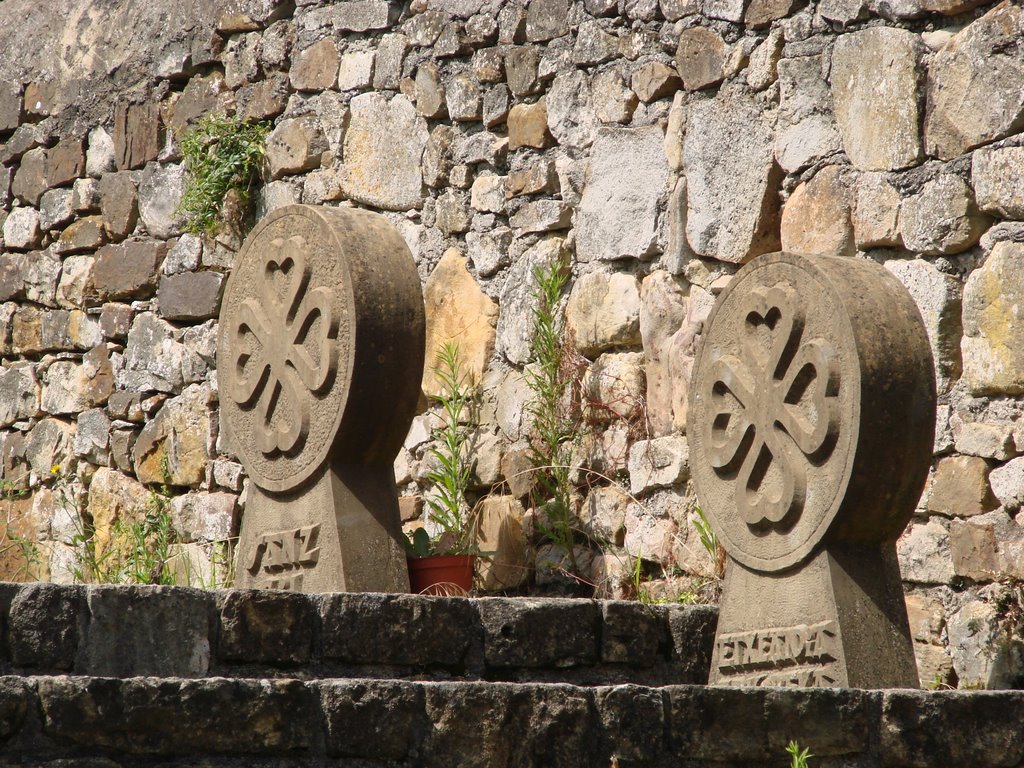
{"x": 173, "y": 631}
{"x": 401, "y": 723}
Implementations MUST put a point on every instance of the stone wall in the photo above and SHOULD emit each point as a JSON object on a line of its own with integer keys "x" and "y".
{"x": 654, "y": 144}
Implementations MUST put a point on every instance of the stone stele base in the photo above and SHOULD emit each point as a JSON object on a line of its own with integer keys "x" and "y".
{"x": 837, "y": 621}
{"x": 339, "y": 533}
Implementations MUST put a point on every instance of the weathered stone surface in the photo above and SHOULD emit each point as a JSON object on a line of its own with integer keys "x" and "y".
{"x": 658, "y": 463}
{"x": 457, "y": 311}
{"x": 593, "y": 45}
{"x": 160, "y": 190}
{"x": 382, "y": 167}
{"x": 462, "y": 96}
{"x": 21, "y": 229}
{"x": 294, "y": 146}
{"x": 30, "y": 179}
{"x": 99, "y": 157}
{"x": 355, "y": 70}
{"x": 604, "y": 514}
{"x": 65, "y": 162}
{"x": 570, "y": 116}
{"x": 127, "y": 270}
{"x": 542, "y": 216}
{"x": 489, "y": 250}
{"x": 430, "y": 93}
{"x": 501, "y": 531}
{"x": 1007, "y": 484}
{"x": 662, "y": 315}
{"x": 85, "y": 195}
{"x": 613, "y": 387}
{"x": 762, "y": 70}
{"x": 86, "y": 234}
{"x": 942, "y": 218}
{"x": 362, "y": 15}
{"x": 115, "y": 320}
{"x": 732, "y": 208}
{"x": 137, "y": 134}
{"x": 55, "y": 209}
{"x": 315, "y": 68}
{"x": 985, "y": 546}
{"x": 184, "y": 255}
{"x": 807, "y": 132}
{"x": 19, "y": 393}
{"x": 924, "y": 553}
{"x": 876, "y": 212}
{"x": 119, "y": 203}
{"x": 387, "y": 67}
{"x": 539, "y": 177}
{"x": 603, "y": 312}
{"x": 37, "y": 331}
{"x": 626, "y": 183}
{"x": 49, "y": 445}
{"x": 190, "y": 296}
{"x": 938, "y": 297}
{"x": 70, "y": 388}
{"x": 993, "y": 343}
{"x": 998, "y": 179}
{"x": 816, "y": 218}
{"x": 546, "y": 19}
{"x": 528, "y": 126}
{"x": 972, "y": 84}
{"x": 700, "y": 57}
{"x": 654, "y": 80}
{"x": 649, "y": 537}
{"x": 488, "y": 194}
{"x": 204, "y": 516}
{"x": 154, "y": 360}
{"x": 612, "y": 98}
{"x": 515, "y": 326}
{"x": 977, "y": 438}
{"x": 174, "y": 447}
{"x": 960, "y": 487}
{"x": 92, "y": 436}
{"x": 266, "y": 627}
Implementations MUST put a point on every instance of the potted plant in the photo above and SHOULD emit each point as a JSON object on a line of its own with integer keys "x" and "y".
{"x": 444, "y": 564}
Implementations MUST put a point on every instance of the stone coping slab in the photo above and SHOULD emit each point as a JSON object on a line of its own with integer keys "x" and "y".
{"x": 181, "y": 632}
{"x": 361, "y": 722}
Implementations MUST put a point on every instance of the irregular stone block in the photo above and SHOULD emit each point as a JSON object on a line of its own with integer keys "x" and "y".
{"x": 382, "y": 167}
{"x": 972, "y": 82}
{"x": 570, "y": 114}
{"x": 663, "y": 310}
{"x": 127, "y": 270}
{"x": 876, "y": 212}
{"x": 362, "y": 15}
{"x": 204, "y": 516}
{"x": 457, "y": 311}
{"x": 521, "y": 70}
{"x": 654, "y": 81}
{"x": 546, "y": 20}
{"x": 538, "y": 633}
{"x": 86, "y": 234}
{"x": 942, "y": 218}
{"x": 353, "y": 625}
{"x": 49, "y": 444}
{"x": 960, "y": 487}
{"x": 542, "y": 216}
{"x": 604, "y": 312}
{"x": 21, "y": 229}
{"x": 315, "y": 68}
{"x": 19, "y": 393}
{"x": 816, "y": 218}
{"x": 626, "y": 185}
{"x": 998, "y": 179}
{"x": 264, "y": 627}
{"x": 190, "y": 296}
{"x": 462, "y": 96}
{"x": 44, "y": 628}
{"x": 71, "y": 388}
{"x": 55, "y": 209}
{"x": 174, "y": 447}
{"x": 65, "y": 162}
{"x": 160, "y": 190}
{"x": 99, "y": 157}
{"x": 500, "y": 532}
{"x": 658, "y": 463}
{"x": 387, "y": 68}
{"x": 528, "y": 126}
{"x": 731, "y": 179}
{"x": 924, "y": 554}
{"x": 154, "y": 360}
{"x": 30, "y": 178}
{"x": 119, "y": 203}
{"x": 993, "y": 343}
{"x": 612, "y": 98}
{"x": 294, "y": 146}
{"x": 700, "y": 58}
{"x": 355, "y": 70}
{"x": 92, "y": 436}
{"x": 614, "y": 387}
{"x": 938, "y": 297}
{"x": 874, "y": 84}
{"x": 1007, "y": 483}
{"x": 515, "y": 324}
{"x": 137, "y": 134}
{"x": 649, "y": 537}
{"x": 807, "y": 132}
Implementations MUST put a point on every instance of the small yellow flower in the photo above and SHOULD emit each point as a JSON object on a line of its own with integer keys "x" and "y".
{"x": 55, "y": 469}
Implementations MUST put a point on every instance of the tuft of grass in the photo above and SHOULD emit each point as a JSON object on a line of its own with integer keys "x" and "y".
{"x": 222, "y": 154}
{"x": 798, "y": 757}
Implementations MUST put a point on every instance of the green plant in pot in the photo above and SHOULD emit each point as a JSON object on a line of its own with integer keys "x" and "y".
{"x": 443, "y": 564}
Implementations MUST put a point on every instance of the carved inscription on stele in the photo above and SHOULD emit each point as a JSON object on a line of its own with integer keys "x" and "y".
{"x": 802, "y": 656}
{"x": 280, "y": 558}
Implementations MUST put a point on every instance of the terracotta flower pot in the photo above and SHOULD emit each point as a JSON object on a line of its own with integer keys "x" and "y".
{"x": 442, "y": 575}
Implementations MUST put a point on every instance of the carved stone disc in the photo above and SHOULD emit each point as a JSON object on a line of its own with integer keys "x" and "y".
{"x": 320, "y": 350}
{"x": 285, "y": 350}
{"x": 813, "y": 375}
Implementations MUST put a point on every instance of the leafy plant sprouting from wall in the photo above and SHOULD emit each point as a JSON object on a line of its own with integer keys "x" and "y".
{"x": 554, "y": 431}
{"x": 222, "y": 155}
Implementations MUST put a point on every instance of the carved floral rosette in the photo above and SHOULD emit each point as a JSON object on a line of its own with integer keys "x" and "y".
{"x": 321, "y": 331}
{"x": 812, "y": 408}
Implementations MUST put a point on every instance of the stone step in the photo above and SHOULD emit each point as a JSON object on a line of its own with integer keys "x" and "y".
{"x": 179, "y": 632}
{"x": 171, "y": 722}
